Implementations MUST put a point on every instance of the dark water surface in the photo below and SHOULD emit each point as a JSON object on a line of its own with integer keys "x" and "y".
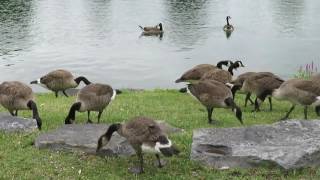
{"x": 100, "y": 38}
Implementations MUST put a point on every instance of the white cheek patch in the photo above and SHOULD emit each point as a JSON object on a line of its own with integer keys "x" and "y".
{"x": 229, "y": 85}
{"x": 317, "y": 102}
{"x": 160, "y": 146}
{"x": 156, "y": 149}
{"x": 189, "y": 92}
{"x": 149, "y": 149}
{"x": 42, "y": 85}
{"x": 113, "y": 95}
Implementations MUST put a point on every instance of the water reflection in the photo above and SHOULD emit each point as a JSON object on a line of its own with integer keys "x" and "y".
{"x": 15, "y": 19}
{"x": 159, "y": 35}
{"x": 228, "y": 34}
{"x": 187, "y": 21}
{"x": 100, "y": 38}
{"x": 287, "y": 14}
{"x": 98, "y": 17}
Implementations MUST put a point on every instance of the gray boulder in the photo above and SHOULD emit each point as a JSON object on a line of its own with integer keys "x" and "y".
{"x": 288, "y": 144}
{"x": 83, "y": 138}
{"x": 10, "y": 123}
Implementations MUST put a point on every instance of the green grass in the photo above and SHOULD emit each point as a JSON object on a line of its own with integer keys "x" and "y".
{"x": 19, "y": 159}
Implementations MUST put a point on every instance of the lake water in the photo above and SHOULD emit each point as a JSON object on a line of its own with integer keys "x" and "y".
{"x": 100, "y": 39}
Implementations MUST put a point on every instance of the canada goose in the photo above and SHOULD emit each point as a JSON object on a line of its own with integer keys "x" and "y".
{"x": 155, "y": 30}
{"x": 144, "y": 135}
{"x": 214, "y": 94}
{"x": 198, "y": 71}
{"x": 261, "y": 84}
{"x": 222, "y": 75}
{"x": 93, "y": 97}
{"x": 228, "y": 27}
{"x": 60, "y": 80}
{"x": 16, "y": 96}
{"x": 238, "y": 83}
{"x": 299, "y": 91}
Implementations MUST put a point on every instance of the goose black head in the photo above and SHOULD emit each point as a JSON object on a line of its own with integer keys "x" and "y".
{"x": 238, "y": 63}
{"x": 238, "y": 114}
{"x": 160, "y": 26}
{"x": 227, "y": 18}
{"x": 317, "y": 110}
{"x": 227, "y": 63}
{"x": 235, "y": 65}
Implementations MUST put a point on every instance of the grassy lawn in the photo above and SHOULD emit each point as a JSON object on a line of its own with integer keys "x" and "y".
{"x": 19, "y": 159}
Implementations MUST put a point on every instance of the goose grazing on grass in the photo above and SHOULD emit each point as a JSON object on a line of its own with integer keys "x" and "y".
{"x": 238, "y": 83}
{"x": 222, "y": 75}
{"x": 214, "y": 94}
{"x": 144, "y": 135}
{"x": 153, "y": 30}
{"x": 15, "y": 96}
{"x": 261, "y": 84}
{"x": 195, "y": 73}
{"x": 228, "y": 27}
{"x": 60, "y": 80}
{"x": 93, "y": 97}
{"x": 299, "y": 92}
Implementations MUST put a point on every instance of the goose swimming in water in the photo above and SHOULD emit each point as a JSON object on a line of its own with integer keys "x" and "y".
{"x": 152, "y": 30}
{"x": 228, "y": 27}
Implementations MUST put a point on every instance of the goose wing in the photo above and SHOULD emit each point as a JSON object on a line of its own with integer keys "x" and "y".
{"x": 15, "y": 89}
{"x": 196, "y": 72}
{"x": 218, "y": 75}
{"x": 210, "y": 92}
{"x": 57, "y": 75}
{"x": 142, "y": 129}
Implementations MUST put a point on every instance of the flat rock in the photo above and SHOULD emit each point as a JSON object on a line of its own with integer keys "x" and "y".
{"x": 83, "y": 138}
{"x": 288, "y": 144}
{"x": 10, "y": 123}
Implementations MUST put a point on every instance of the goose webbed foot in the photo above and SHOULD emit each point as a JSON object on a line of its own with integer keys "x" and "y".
{"x": 213, "y": 122}
{"x": 136, "y": 170}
